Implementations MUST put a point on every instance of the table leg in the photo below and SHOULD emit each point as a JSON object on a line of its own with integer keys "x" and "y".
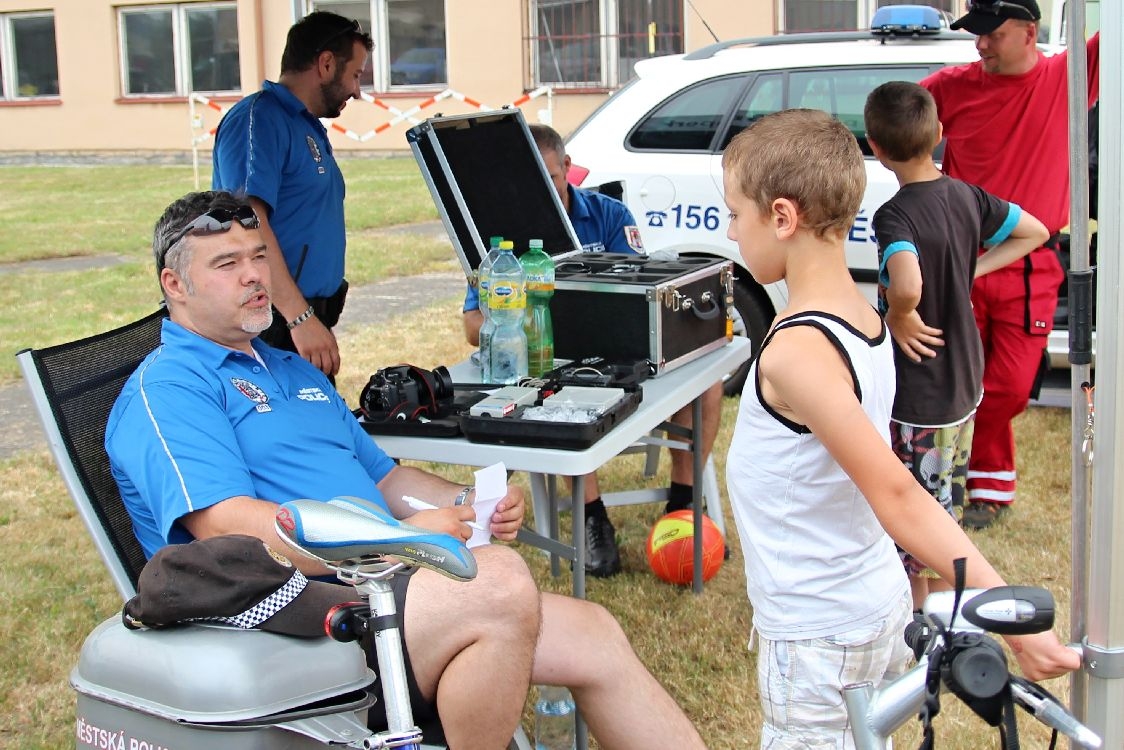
{"x": 543, "y": 488}
{"x": 578, "y": 516}
{"x": 696, "y": 491}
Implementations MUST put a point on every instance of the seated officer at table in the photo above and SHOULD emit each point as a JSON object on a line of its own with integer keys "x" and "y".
{"x": 215, "y": 428}
{"x": 605, "y": 225}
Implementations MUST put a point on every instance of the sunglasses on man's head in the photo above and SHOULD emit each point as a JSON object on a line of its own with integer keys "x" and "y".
{"x": 216, "y": 221}
{"x": 352, "y": 28}
{"x": 998, "y": 7}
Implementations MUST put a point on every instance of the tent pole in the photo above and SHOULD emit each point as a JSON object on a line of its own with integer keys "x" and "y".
{"x": 1104, "y": 639}
{"x": 1080, "y": 345}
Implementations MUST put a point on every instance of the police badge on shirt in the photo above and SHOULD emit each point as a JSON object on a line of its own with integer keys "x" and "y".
{"x": 632, "y": 236}
{"x": 314, "y": 149}
{"x": 254, "y": 393}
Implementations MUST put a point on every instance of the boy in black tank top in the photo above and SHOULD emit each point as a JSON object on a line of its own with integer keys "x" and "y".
{"x": 793, "y": 182}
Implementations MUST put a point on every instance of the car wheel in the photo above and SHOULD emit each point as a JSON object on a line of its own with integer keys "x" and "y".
{"x": 752, "y": 315}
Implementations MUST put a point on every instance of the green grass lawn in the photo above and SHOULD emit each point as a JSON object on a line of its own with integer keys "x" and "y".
{"x": 108, "y": 212}
{"x": 54, "y": 588}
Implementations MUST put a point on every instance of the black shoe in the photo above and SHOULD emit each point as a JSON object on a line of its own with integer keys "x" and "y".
{"x": 602, "y": 558}
{"x": 982, "y": 515}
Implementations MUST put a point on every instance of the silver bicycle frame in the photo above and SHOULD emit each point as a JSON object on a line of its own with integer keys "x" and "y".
{"x": 875, "y": 713}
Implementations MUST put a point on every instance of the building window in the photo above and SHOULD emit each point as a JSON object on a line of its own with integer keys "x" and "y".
{"x": 820, "y": 15}
{"x": 29, "y": 65}
{"x": 595, "y": 43}
{"x": 173, "y": 50}
{"x": 833, "y": 15}
{"x": 410, "y": 45}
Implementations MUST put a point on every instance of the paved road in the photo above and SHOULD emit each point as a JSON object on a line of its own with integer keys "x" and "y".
{"x": 375, "y": 303}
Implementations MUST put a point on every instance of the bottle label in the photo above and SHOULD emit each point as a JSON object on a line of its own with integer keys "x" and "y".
{"x": 506, "y": 297}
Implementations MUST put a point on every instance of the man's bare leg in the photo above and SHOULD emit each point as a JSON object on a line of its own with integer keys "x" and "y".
{"x": 583, "y": 647}
{"x": 472, "y": 643}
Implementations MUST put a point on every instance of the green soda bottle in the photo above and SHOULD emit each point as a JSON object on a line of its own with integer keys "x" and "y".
{"x": 538, "y": 267}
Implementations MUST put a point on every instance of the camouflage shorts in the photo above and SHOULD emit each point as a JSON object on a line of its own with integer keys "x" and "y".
{"x": 938, "y": 459}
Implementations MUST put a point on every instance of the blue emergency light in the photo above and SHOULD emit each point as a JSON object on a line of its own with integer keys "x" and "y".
{"x": 894, "y": 20}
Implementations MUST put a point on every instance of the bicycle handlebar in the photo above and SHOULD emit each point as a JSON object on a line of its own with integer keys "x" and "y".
{"x": 876, "y": 713}
{"x": 1043, "y": 707}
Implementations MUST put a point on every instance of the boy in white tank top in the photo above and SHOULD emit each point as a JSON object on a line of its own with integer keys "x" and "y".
{"x": 818, "y": 495}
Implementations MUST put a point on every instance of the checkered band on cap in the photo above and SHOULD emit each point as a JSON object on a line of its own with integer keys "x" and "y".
{"x": 267, "y": 607}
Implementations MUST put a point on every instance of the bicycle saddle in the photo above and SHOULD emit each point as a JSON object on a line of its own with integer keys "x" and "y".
{"x": 351, "y": 531}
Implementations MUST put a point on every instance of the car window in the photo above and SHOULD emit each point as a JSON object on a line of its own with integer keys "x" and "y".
{"x": 842, "y": 92}
{"x": 689, "y": 120}
{"x": 764, "y": 97}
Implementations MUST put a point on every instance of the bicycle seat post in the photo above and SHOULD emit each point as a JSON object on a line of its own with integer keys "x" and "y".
{"x": 386, "y": 638}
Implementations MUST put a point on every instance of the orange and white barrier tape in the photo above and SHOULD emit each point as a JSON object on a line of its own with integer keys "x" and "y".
{"x": 398, "y": 115}
{"x": 409, "y": 114}
{"x": 197, "y": 117}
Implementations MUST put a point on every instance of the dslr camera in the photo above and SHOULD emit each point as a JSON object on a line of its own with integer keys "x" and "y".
{"x": 406, "y": 393}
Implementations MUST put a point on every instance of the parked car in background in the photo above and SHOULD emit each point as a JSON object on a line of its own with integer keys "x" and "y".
{"x": 663, "y": 135}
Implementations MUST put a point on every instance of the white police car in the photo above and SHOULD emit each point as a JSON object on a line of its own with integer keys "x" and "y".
{"x": 663, "y": 133}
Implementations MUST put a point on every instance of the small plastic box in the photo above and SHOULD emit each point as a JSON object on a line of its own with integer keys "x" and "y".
{"x": 504, "y": 401}
{"x": 596, "y": 399}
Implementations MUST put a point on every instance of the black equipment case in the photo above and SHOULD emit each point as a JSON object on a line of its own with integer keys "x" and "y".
{"x": 487, "y": 178}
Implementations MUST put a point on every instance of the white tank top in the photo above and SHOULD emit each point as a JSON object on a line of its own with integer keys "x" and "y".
{"x": 817, "y": 561}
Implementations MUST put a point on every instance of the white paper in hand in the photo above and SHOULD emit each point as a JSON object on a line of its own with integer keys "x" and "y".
{"x": 491, "y": 486}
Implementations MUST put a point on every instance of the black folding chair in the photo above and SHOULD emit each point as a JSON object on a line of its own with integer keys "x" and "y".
{"x": 73, "y": 387}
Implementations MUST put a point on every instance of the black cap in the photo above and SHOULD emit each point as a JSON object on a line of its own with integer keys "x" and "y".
{"x": 985, "y": 16}
{"x": 235, "y": 579}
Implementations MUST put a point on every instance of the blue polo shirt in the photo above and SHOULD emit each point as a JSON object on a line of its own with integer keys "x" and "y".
{"x": 602, "y": 224}
{"x": 271, "y": 147}
{"x": 198, "y": 423}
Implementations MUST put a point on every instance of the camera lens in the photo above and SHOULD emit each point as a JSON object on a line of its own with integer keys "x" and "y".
{"x": 442, "y": 382}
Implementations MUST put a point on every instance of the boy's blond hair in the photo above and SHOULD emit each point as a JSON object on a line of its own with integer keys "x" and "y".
{"x": 901, "y": 117}
{"x": 806, "y": 156}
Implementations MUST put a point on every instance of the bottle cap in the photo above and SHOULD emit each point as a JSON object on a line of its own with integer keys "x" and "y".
{"x": 535, "y": 244}
{"x": 507, "y": 245}
{"x": 495, "y": 241}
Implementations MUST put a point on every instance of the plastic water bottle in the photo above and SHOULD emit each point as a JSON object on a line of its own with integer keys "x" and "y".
{"x": 539, "y": 270}
{"x": 507, "y": 300}
{"x": 554, "y": 719}
{"x": 483, "y": 281}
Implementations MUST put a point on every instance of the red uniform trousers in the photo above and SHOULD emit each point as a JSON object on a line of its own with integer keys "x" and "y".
{"x": 1012, "y": 356}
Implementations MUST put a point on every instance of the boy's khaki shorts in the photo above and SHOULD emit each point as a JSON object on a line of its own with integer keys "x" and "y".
{"x": 801, "y": 682}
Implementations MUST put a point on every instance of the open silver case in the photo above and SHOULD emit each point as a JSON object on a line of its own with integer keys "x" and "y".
{"x": 487, "y": 179}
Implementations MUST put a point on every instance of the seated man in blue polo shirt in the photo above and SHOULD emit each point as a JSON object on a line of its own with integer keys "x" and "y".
{"x": 216, "y": 427}
{"x": 605, "y": 225}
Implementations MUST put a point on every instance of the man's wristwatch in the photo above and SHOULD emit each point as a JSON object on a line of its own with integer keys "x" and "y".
{"x": 300, "y": 318}
{"x": 462, "y": 496}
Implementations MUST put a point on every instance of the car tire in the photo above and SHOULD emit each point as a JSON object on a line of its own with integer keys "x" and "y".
{"x": 752, "y": 316}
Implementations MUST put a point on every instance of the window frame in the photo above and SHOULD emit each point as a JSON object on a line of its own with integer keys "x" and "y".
{"x": 607, "y": 41}
{"x": 9, "y": 70}
{"x": 379, "y": 13}
{"x": 863, "y": 12}
{"x": 181, "y": 51}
